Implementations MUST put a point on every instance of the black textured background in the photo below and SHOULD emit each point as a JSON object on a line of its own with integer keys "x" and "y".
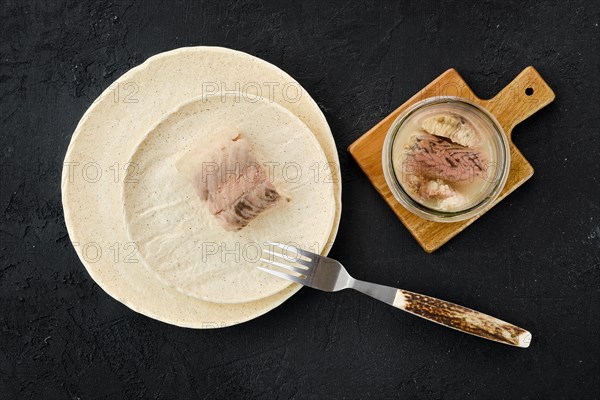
{"x": 533, "y": 260}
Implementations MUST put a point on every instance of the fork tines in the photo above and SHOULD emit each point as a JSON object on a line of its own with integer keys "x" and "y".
{"x": 280, "y": 257}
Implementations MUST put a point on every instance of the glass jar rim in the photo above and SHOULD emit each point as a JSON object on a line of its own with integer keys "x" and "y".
{"x": 398, "y": 191}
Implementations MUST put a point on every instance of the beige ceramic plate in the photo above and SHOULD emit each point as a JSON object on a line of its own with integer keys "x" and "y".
{"x": 104, "y": 141}
{"x": 177, "y": 237}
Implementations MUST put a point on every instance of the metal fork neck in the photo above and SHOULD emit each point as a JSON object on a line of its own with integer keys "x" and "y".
{"x": 379, "y": 292}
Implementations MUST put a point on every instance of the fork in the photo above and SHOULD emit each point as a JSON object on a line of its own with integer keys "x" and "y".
{"x": 329, "y": 275}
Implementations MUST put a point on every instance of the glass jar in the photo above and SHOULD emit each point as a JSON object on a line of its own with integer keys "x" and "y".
{"x": 446, "y": 159}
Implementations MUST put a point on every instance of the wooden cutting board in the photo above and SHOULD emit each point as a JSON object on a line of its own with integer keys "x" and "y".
{"x": 525, "y": 95}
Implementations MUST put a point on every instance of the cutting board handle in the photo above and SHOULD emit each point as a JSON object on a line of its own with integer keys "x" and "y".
{"x": 524, "y": 96}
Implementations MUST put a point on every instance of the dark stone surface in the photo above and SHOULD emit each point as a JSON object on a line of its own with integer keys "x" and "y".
{"x": 533, "y": 260}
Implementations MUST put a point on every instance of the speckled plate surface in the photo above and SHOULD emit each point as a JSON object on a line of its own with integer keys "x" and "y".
{"x": 97, "y": 159}
{"x": 180, "y": 241}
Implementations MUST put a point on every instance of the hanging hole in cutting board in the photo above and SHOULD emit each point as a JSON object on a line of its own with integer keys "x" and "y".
{"x": 529, "y": 91}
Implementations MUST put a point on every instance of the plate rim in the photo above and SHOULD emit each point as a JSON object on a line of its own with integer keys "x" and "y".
{"x": 274, "y": 300}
